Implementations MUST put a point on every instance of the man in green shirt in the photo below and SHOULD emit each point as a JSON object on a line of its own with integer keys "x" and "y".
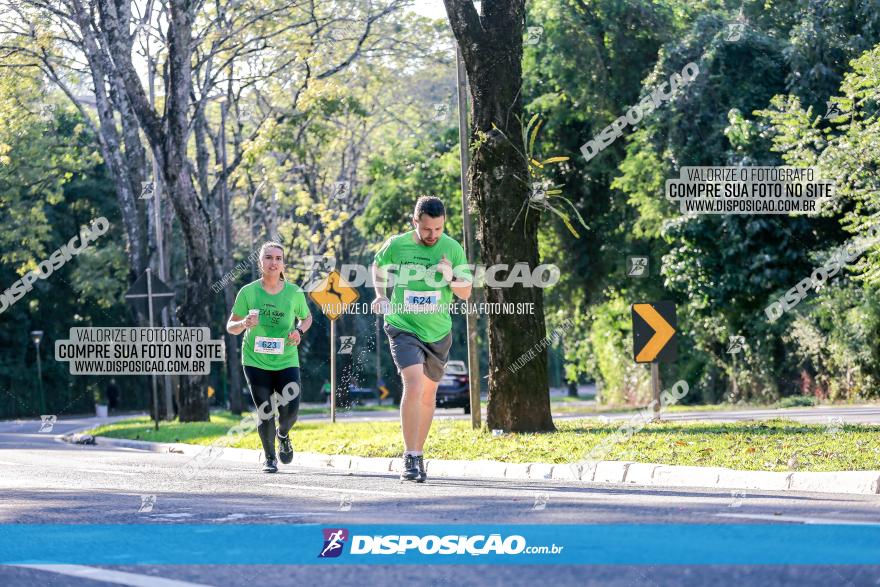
{"x": 431, "y": 267}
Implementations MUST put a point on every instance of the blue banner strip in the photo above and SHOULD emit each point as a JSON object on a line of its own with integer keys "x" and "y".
{"x": 625, "y": 544}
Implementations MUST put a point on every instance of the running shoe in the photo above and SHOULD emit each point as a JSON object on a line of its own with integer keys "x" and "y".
{"x": 270, "y": 465}
{"x": 285, "y": 449}
{"x": 410, "y": 469}
{"x": 423, "y": 475}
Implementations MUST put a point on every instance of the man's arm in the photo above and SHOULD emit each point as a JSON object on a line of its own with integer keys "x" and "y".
{"x": 380, "y": 285}
{"x": 461, "y": 278}
{"x": 380, "y": 280}
{"x": 461, "y": 288}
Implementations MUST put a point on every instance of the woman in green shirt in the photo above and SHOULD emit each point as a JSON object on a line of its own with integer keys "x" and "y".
{"x": 266, "y": 310}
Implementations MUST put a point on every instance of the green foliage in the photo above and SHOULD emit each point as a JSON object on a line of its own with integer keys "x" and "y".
{"x": 835, "y": 338}
{"x": 52, "y": 183}
{"x": 797, "y": 401}
{"x": 611, "y": 341}
{"x": 542, "y": 195}
{"x": 405, "y": 169}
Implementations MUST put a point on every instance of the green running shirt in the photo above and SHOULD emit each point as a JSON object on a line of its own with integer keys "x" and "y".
{"x": 426, "y": 321}
{"x": 266, "y": 345}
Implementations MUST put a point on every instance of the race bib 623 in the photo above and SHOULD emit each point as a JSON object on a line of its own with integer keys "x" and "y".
{"x": 269, "y": 346}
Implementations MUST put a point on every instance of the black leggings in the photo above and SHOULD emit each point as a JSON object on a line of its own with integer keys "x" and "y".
{"x": 263, "y": 384}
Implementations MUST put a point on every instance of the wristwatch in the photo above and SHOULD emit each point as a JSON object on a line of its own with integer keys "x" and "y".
{"x": 301, "y": 333}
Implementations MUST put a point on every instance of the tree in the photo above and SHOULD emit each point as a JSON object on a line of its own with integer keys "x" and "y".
{"x": 492, "y": 47}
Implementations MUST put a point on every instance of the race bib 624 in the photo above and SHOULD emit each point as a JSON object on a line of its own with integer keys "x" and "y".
{"x": 421, "y": 301}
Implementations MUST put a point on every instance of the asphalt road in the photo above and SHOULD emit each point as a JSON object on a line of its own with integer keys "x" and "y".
{"x": 43, "y": 480}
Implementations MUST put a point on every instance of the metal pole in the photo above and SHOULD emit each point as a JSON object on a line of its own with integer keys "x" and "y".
{"x": 160, "y": 250}
{"x": 379, "y": 355}
{"x": 157, "y": 208}
{"x": 333, "y": 371}
{"x": 655, "y": 386}
{"x": 150, "y": 312}
{"x": 470, "y": 318}
{"x": 40, "y": 379}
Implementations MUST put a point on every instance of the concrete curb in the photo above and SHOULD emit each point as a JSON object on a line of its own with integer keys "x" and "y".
{"x": 613, "y": 472}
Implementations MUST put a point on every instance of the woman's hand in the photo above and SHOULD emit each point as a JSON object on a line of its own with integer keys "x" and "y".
{"x": 251, "y": 321}
{"x": 294, "y": 337}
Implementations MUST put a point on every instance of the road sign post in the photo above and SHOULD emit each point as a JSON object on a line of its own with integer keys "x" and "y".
{"x": 142, "y": 294}
{"x": 333, "y": 370}
{"x": 333, "y": 295}
{"x": 654, "y": 341}
{"x": 655, "y": 389}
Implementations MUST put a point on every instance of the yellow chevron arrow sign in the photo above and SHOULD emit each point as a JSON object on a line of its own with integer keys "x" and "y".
{"x": 654, "y": 331}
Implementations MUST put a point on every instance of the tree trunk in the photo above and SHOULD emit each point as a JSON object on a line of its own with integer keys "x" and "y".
{"x": 168, "y": 136}
{"x": 492, "y": 49}
{"x": 111, "y": 147}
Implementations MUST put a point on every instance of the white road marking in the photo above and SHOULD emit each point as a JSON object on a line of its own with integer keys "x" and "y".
{"x": 330, "y": 489}
{"x": 295, "y": 515}
{"x": 800, "y": 519}
{"x": 108, "y": 576}
{"x": 233, "y": 517}
{"x": 106, "y": 472}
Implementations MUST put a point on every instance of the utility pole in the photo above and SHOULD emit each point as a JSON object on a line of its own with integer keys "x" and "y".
{"x": 470, "y": 317}
{"x": 160, "y": 254}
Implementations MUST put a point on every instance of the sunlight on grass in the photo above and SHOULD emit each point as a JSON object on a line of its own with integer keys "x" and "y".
{"x": 767, "y": 446}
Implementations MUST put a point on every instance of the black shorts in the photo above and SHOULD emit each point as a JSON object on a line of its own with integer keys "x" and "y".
{"x": 407, "y": 349}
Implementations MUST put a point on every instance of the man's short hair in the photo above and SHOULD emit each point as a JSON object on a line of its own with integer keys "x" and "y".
{"x": 430, "y": 205}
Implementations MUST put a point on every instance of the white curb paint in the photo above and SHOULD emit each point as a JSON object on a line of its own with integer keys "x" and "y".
{"x": 852, "y": 482}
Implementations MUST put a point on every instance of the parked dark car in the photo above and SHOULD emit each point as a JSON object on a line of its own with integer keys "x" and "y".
{"x": 454, "y": 388}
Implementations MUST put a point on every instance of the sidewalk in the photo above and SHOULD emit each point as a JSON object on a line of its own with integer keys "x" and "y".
{"x": 607, "y": 472}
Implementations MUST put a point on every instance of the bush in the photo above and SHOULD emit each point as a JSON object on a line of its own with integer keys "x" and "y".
{"x": 795, "y": 401}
